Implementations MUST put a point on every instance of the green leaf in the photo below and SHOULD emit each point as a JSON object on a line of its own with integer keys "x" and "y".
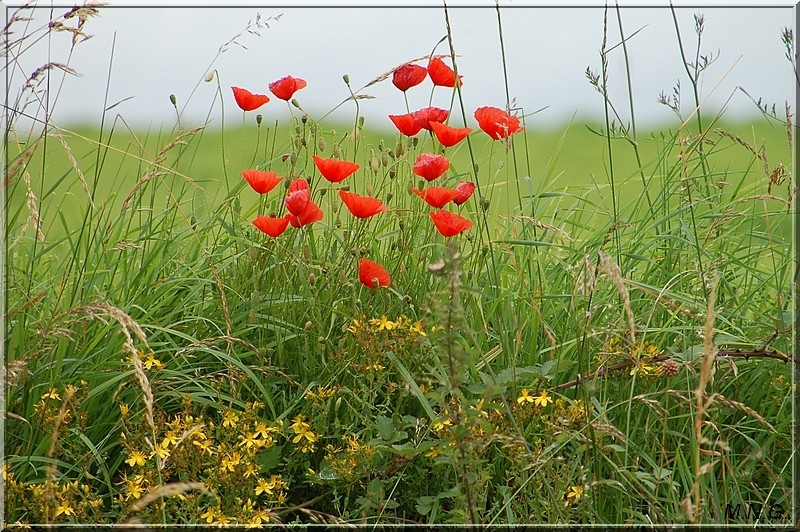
{"x": 385, "y": 427}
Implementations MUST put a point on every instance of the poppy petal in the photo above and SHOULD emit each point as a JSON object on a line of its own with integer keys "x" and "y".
{"x": 406, "y": 124}
{"x": 441, "y": 74}
{"x": 274, "y": 227}
{"x": 430, "y": 166}
{"x": 436, "y": 197}
{"x": 449, "y": 136}
{"x": 449, "y": 224}
{"x": 465, "y": 190}
{"x": 497, "y": 123}
{"x": 425, "y": 116}
{"x": 311, "y": 214}
{"x": 372, "y": 275}
{"x": 262, "y": 182}
{"x": 334, "y": 170}
{"x": 409, "y": 75}
{"x": 247, "y": 101}
{"x": 285, "y": 87}
{"x": 362, "y": 206}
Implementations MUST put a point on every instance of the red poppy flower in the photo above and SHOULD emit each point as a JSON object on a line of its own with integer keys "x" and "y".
{"x": 430, "y": 166}
{"x": 247, "y": 101}
{"x": 465, "y": 190}
{"x": 449, "y": 224}
{"x": 298, "y": 197}
{"x": 497, "y": 123}
{"x": 408, "y": 75}
{"x": 372, "y": 274}
{"x": 285, "y": 88}
{"x": 362, "y": 206}
{"x": 333, "y": 170}
{"x": 425, "y": 116}
{"x": 311, "y": 214}
{"x": 436, "y": 197}
{"x": 449, "y": 136}
{"x": 262, "y": 182}
{"x": 441, "y": 74}
{"x": 274, "y": 227}
{"x": 406, "y": 124}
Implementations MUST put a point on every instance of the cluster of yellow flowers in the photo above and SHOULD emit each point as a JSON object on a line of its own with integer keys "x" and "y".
{"x": 642, "y": 355}
{"x": 376, "y": 336}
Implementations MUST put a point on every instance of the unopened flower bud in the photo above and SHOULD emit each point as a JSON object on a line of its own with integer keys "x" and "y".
{"x": 336, "y": 152}
{"x": 321, "y": 144}
{"x": 298, "y": 143}
{"x": 360, "y": 121}
{"x": 312, "y": 279}
{"x": 391, "y": 154}
{"x": 385, "y": 160}
{"x": 485, "y": 204}
{"x": 298, "y": 129}
{"x": 346, "y": 79}
{"x": 321, "y": 339}
{"x": 308, "y": 325}
{"x": 389, "y": 197}
{"x": 380, "y": 145}
{"x": 346, "y": 188}
{"x": 400, "y": 149}
{"x": 295, "y": 103}
{"x": 322, "y": 192}
{"x": 304, "y": 118}
{"x": 407, "y": 298}
{"x": 306, "y": 252}
{"x": 476, "y": 168}
{"x": 209, "y": 77}
{"x": 392, "y": 172}
{"x": 375, "y": 164}
{"x": 293, "y": 158}
{"x": 414, "y": 141}
{"x": 259, "y": 119}
{"x": 369, "y": 191}
{"x": 402, "y": 224}
{"x": 303, "y": 142}
{"x": 173, "y": 99}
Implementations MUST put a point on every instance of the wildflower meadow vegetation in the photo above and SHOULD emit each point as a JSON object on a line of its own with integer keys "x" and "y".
{"x": 272, "y": 318}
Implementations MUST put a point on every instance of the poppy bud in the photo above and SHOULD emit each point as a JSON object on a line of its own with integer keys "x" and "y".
{"x": 259, "y": 119}
{"x": 293, "y": 158}
{"x": 470, "y": 238}
{"x": 389, "y": 197}
{"x": 321, "y": 144}
{"x": 173, "y": 99}
{"x": 402, "y": 224}
{"x": 393, "y": 246}
{"x": 303, "y": 142}
{"x": 308, "y": 325}
{"x": 353, "y": 252}
{"x": 385, "y": 160}
{"x": 344, "y": 234}
{"x": 306, "y": 252}
{"x": 284, "y": 157}
{"x": 375, "y": 165}
{"x": 476, "y": 168}
{"x": 360, "y": 121}
{"x": 298, "y": 129}
{"x": 209, "y": 77}
{"x": 485, "y": 204}
{"x": 335, "y": 208}
{"x": 392, "y": 172}
{"x": 346, "y": 188}
{"x": 400, "y": 149}
{"x": 407, "y": 298}
{"x": 298, "y": 143}
{"x": 346, "y": 79}
{"x": 414, "y": 141}
{"x": 336, "y": 152}
{"x": 380, "y": 145}
{"x": 295, "y": 103}
{"x": 369, "y": 191}
{"x": 322, "y": 192}
{"x": 304, "y": 118}
{"x": 392, "y": 154}
{"x": 364, "y": 250}
{"x": 321, "y": 339}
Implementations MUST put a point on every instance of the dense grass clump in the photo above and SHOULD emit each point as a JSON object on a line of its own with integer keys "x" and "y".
{"x": 588, "y": 339}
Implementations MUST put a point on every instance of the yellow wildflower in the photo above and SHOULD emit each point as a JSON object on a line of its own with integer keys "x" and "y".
{"x": 543, "y": 399}
{"x": 266, "y": 487}
{"x": 205, "y": 446}
{"x": 152, "y": 362}
{"x": 303, "y": 430}
{"x": 525, "y": 397}
{"x": 417, "y": 329}
{"x": 229, "y": 419}
{"x": 383, "y": 323}
{"x": 229, "y": 462}
{"x": 209, "y": 515}
{"x": 64, "y": 508}
{"x": 259, "y": 517}
{"x": 248, "y": 440}
{"x": 438, "y": 426}
{"x": 575, "y": 492}
{"x": 160, "y": 451}
{"x": 52, "y": 393}
{"x": 133, "y": 489}
{"x": 136, "y": 458}
{"x": 169, "y": 439}
{"x": 124, "y": 409}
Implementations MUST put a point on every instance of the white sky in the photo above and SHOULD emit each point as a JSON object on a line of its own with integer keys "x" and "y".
{"x": 160, "y": 51}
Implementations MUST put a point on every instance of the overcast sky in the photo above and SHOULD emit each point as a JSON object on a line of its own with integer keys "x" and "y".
{"x": 158, "y": 51}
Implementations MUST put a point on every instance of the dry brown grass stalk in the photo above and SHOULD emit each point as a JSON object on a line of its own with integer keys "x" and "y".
{"x": 75, "y": 166}
{"x": 168, "y": 490}
{"x": 611, "y": 269}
